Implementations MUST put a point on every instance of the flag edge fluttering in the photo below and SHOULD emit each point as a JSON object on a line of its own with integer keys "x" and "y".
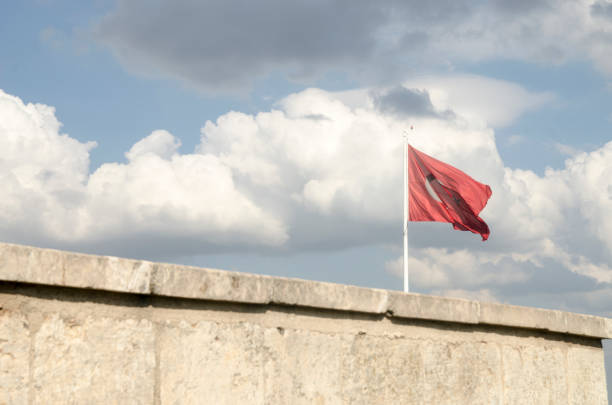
{"x": 454, "y": 208}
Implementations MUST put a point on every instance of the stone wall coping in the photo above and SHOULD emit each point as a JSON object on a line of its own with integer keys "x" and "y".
{"x": 25, "y": 264}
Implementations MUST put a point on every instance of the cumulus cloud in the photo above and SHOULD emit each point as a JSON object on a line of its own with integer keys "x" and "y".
{"x": 321, "y": 171}
{"x": 441, "y": 268}
{"x": 158, "y": 200}
{"x": 160, "y": 143}
{"x": 41, "y": 171}
{"x": 178, "y": 196}
{"x": 558, "y": 218}
{"x": 218, "y": 45}
{"x": 496, "y": 103}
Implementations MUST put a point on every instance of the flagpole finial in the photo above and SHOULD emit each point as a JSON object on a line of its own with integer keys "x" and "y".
{"x": 406, "y": 133}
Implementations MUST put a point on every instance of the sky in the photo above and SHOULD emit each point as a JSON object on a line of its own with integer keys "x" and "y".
{"x": 267, "y": 137}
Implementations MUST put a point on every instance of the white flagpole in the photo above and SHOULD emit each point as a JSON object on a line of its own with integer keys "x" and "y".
{"x": 406, "y": 217}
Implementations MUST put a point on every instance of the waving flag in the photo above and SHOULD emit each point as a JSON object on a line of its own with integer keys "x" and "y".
{"x": 441, "y": 193}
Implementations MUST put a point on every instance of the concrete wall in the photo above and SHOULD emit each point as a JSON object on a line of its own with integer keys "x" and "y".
{"x": 85, "y": 329}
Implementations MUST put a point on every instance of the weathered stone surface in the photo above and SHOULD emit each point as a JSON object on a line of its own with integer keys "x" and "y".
{"x": 305, "y": 367}
{"x": 211, "y": 363}
{"x": 366, "y": 377}
{"x": 14, "y": 355}
{"x": 587, "y": 325}
{"x": 31, "y": 265}
{"x": 95, "y": 361}
{"x": 433, "y": 308}
{"x": 403, "y": 370}
{"x": 52, "y": 267}
{"x": 522, "y": 317}
{"x": 461, "y": 372}
{"x": 320, "y": 343}
{"x": 534, "y": 375}
{"x": 585, "y": 370}
{"x": 545, "y": 319}
{"x": 328, "y": 296}
{"x": 210, "y": 284}
{"x": 107, "y": 273}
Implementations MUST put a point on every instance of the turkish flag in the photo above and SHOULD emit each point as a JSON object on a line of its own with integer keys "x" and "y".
{"x": 441, "y": 193}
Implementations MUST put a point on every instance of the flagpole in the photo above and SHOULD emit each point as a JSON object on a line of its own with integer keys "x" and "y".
{"x": 406, "y": 214}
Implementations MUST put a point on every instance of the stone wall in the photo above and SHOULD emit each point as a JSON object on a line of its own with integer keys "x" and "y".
{"x": 86, "y": 329}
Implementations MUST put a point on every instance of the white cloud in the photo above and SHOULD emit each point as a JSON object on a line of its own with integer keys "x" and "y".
{"x": 39, "y": 169}
{"x": 559, "y": 217}
{"x": 49, "y": 197}
{"x": 322, "y": 171}
{"x": 496, "y": 102}
{"x": 440, "y": 269}
{"x": 185, "y": 196}
{"x": 339, "y": 159}
{"x": 160, "y": 143}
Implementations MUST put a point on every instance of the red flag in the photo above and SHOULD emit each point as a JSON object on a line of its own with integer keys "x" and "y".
{"x": 441, "y": 193}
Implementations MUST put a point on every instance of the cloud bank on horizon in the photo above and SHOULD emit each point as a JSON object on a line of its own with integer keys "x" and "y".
{"x": 321, "y": 171}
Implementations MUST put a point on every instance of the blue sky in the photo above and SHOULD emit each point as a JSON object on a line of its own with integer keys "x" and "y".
{"x": 254, "y": 138}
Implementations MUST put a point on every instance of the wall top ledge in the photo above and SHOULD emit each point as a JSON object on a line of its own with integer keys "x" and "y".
{"x": 33, "y": 265}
